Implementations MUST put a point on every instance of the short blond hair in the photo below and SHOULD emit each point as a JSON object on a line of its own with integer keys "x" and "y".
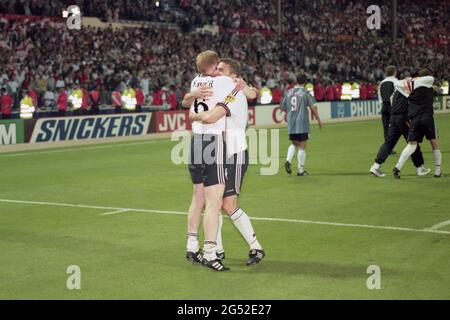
{"x": 206, "y": 60}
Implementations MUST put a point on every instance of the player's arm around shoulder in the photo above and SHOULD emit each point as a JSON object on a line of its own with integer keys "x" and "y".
{"x": 210, "y": 116}
{"x": 426, "y": 81}
{"x": 248, "y": 91}
{"x": 403, "y": 87}
{"x": 200, "y": 93}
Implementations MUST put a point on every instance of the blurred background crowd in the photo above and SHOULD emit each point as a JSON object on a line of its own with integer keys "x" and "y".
{"x": 328, "y": 39}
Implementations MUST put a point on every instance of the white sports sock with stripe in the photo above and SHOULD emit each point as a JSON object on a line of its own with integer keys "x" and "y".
{"x": 209, "y": 250}
{"x": 192, "y": 242}
{"x": 290, "y": 154}
{"x": 437, "y": 157}
{"x": 242, "y": 222}
{"x": 219, "y": 247}
{"x": 301, "y": 160}
{"x": 406, "y": 153}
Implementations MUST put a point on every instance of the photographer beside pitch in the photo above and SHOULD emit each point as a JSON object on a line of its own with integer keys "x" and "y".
{"x": 420, "y": 112}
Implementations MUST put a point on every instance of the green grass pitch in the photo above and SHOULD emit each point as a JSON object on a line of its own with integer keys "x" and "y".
{"x": 140, "y": 254}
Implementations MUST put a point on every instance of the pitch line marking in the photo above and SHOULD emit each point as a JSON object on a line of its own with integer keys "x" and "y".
{"x": 113, "y": 212}
{"x": 74, "y": 149}
{"x": 336, "y": 224}
{"x": 90, "y": 207}
{"x": 439, "y": 225}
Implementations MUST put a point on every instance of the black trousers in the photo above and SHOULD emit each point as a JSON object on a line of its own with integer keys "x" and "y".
{"x": 397, "y": 127}
{"x": 385, "y": 115}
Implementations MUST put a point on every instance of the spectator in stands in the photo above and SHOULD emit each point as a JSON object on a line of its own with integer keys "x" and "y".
{"x": 117, "y": 100}
{"x": 86, "y": 99}
{"x": 158, "y": 97}
{"x": 319, "y": 92}
{"x": 34, "y": 96}
{"x": 338, "y": 91}
{"x": 140, "y": 98}
{"x": 363, "y": 91}
{"x": 172, "y": 98}
{"x": 329, "y": 91}
{"x": 6, "y": 104}
{"x": 62, "y": 102}
{"x": 48, "y": 99}
{"x": 371, "y": 91}
{"x": 277, "y": 94}
{"x": 95, "y": 100}
{"x": 330, "y": 42}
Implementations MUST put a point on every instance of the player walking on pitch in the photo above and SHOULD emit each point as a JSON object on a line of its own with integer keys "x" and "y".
{"x": 296, "y": 102}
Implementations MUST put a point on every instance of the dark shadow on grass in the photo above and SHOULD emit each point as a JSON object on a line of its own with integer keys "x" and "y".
{"x": 339, "y": 174}
{"x": 317, "y": 269}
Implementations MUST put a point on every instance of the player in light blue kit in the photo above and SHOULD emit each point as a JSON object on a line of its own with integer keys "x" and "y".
{"x": 296, "y": 102}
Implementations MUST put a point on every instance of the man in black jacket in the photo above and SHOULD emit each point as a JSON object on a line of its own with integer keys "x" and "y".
{"x": 398, "y": 126}
{"x": 385, "y": 91}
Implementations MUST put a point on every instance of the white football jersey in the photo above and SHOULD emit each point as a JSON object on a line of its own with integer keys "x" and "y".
{"x": 236, "y": 125}
{"x": 407, "y": 85}
{"x": 221, "y": 87}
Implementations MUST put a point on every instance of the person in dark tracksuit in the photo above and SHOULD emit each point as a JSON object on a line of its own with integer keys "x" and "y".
{"x": 398, "y": 126}
{"x": 385, "y": 91}
{"x": 420, "y": 95}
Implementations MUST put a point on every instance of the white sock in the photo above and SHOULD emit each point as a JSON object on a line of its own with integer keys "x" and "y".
{"x": 301, "y": 160}
{"x": 219, "y": 247}
{"x": 406, "y": 153}
{"x": 242, "y": 222}
{"x": 376, "y": 166}
{"x": 209, "y": 250}
{"x": 192, "y": 242}
{"x": 290, "y": 154}
{"x": 437, "y": 157}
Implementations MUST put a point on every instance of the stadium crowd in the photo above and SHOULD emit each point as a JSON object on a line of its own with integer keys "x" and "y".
{"x": 328, "y": 39}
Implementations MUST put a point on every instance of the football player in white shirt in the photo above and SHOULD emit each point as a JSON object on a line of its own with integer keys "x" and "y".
{"x": 207, "y": 162}
{"x": 236, "y": 112}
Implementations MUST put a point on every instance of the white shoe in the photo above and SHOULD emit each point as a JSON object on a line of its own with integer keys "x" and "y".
{"x": 376, "y": 172}
{"x": 422, "y": 171}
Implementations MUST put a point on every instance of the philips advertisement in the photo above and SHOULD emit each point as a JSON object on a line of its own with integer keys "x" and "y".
{"x": 355, "y": 109}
